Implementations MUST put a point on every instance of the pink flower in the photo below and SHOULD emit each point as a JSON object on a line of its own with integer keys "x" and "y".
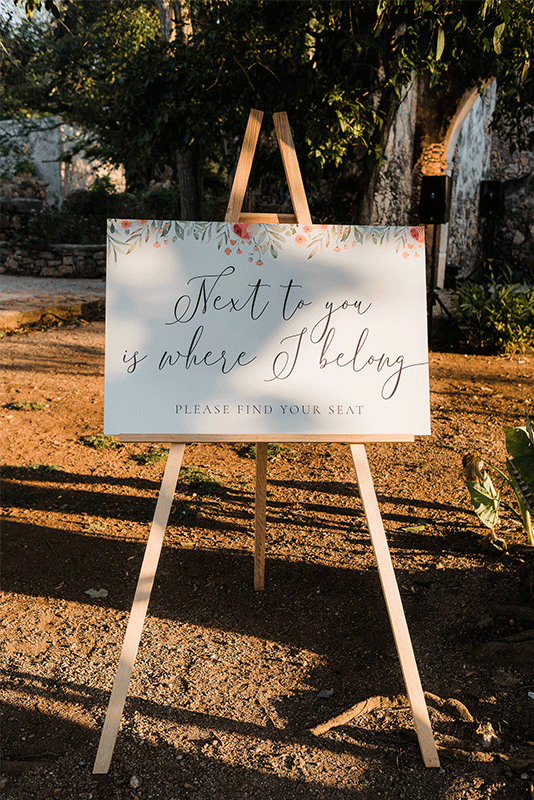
{"x": 157, "y": 244}
{"x": 126, "y": 223}
{"x": 227, "y": 250}
{"x": 241, "y": 229}
{"x": 405, "y": 254}
{"x": 307, "y": 228}
{"x": 259, "y": 263}
{"x": 142, "y": 221}
{"x": 337, "y": 250}
{"x": 418, "y": 234}
{"x": 300, "y": 239}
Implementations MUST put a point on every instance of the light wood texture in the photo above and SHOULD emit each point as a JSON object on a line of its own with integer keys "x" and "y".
{"x": 292, "y": 169}
{"x": 270, "y": 219}
{"x": 395, "y": 610}
{"x": 246, "y": 156}
{"x": 139, "y": 609}
{"x": 261, "y": 515}
{"x": 190, "y": 438}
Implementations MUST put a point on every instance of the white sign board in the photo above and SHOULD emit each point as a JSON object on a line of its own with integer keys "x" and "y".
{"x": 250, "y": 329}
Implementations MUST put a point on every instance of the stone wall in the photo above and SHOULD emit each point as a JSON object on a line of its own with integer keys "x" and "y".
{"x": 471, "y": 166}
{"x": 57, "y": 261}
{"x": 514, "y": 231}
{"x": 19, "y": 199}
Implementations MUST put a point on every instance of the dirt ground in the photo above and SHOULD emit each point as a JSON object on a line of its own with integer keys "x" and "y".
{"x": 229, "y": 682}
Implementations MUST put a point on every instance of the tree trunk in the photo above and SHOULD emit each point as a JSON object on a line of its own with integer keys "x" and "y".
{"x": 175, "y": 23}
{"x": 389, "y": 104}
{"x": 189, "y": 163}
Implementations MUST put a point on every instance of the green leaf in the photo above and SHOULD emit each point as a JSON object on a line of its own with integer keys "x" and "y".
{"x": 485, "y": 501}
{"x": 498, "y": 35}
{"x": 518, "y": 443}
{"x": 521, "y": 463}
{"x": 440, "y": 44}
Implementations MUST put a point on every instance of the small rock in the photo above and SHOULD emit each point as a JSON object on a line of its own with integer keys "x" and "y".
{"x": 487, "y": 736}
{"x": 325, "y": 693}
{"x": 504, "y": 678}
{"x": 97, "y": 594}
{"x": 134, "y": 782}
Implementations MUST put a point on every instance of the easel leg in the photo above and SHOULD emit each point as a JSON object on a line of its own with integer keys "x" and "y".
{"x": 139, "y": 609}
{"x": 395, "y": 610}
{"x": 260, "y": 519}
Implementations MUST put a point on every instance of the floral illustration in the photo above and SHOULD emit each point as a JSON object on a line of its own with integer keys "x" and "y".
{"x": 254, "y": 240}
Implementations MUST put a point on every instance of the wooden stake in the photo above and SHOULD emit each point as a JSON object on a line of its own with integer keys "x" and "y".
{"x": 292, "y": 169}
{"x": 395, "y": 610}
{"x": 139, "y": 609}
{"x": 242, "y": 173}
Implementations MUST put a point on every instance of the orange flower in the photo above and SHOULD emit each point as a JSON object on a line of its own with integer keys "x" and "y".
{"x": 418, "y": 234}
{"x": 241, "y": 229}
{"x": 157, "y": 244}
{"x": 126, "y": 223}
{"x": 300, "y": 239}
{"x": 227, "y": 251}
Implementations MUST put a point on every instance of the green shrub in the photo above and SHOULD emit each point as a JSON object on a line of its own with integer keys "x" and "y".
{"x": 99, "y": 441}
{"x": 519, "y": 475}
{"x": 198, "y": 481}
{"x": 495, "y": 317}
{"x": 274, "y": 451}
{"x": 82, "y": 217}
{"x": 151, "y": 456}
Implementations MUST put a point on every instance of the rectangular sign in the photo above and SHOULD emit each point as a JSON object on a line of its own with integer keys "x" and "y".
{"x": 216, "y": 328}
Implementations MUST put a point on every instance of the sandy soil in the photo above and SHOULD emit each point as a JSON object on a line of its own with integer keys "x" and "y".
{"x": 229, "y": 682}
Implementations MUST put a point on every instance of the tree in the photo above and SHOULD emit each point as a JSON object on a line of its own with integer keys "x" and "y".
{"x": 172, "y": 82}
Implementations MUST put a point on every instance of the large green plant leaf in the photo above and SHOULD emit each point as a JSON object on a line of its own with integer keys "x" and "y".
{"x": 521, "y": 452}
{"x": 521, "y": 468}
{"x": 485, "y": 501}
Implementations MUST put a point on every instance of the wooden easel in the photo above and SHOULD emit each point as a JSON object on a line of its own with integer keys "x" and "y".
{"x": 147, "y": 574}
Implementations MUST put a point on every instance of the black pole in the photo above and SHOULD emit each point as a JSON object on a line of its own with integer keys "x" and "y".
{"x": 431, "y": 297}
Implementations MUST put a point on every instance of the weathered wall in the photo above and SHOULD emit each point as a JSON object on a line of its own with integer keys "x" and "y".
{"x": 49, "y": 140}
{"x": 514, "y": 234}
{"x": 473, "y": 154}
{"x": 471, "y": 165}
{"x": 57, "y": 261}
